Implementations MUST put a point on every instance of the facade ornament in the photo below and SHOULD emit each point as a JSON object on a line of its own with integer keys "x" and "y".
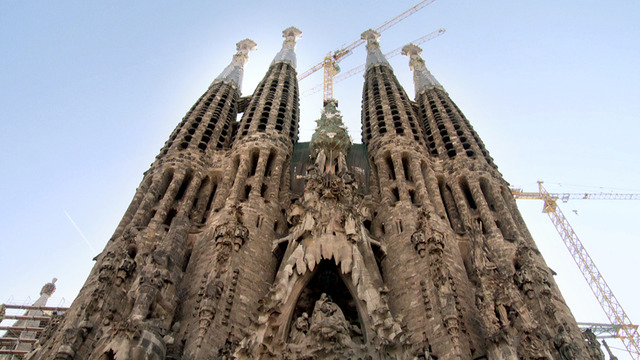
{"x": 233, "y": 73}
{"x": 565, "y": 346}
{"x": 422, "y": 77}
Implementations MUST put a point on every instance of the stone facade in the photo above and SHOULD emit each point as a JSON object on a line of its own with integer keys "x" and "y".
{"x": 241, "y": 243}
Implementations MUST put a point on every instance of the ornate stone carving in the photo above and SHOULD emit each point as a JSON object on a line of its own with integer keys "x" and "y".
{"x": 593, "y": 345}
{"x": 533, "y": 346}
{"x": 327, "y": 224}
{"x": 126, "y": 268}
{"x": 299, "y": 329}
{"x": 212, "y": 292}
{"x": 151, "y": 286}
{"x": 419, "y": 242}
{"x": 565, "y": 346}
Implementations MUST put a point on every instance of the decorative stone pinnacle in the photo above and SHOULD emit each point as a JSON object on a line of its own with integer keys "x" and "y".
{"x": 374, "y": 54}
{"x": 292, "y": 33}
{"x": 422, "y": 78}
{"x": 414, "y": 53}
{"x": 49, "y": 288}
{"x": 331, "y": 133}
{"x": 370, "y": 36}
{"x": 233, "y": 73}
{"x": 287, "y": 53}
{"x": 245, "y": 46}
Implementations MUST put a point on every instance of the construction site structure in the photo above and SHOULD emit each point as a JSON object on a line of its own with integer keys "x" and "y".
{"x": 330, "y": 62}
{"x": 27, "y": 327}
{"x": 242, "y": 242}
{"x": 627, "y": 332}
{"x": 358, "y": 69}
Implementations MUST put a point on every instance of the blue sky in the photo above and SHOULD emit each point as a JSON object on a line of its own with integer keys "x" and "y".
{"x": 89, "y": 92}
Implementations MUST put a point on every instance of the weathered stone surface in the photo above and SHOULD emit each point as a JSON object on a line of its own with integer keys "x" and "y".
{"x": 240, "y": 243}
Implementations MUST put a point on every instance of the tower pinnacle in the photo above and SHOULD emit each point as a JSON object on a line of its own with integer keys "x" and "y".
{"x": 232, "y": 74}
{"x": 331, "y": 133}
{"x": 422, "y": 78}
{"x": 374, "y": 54}
{"x": 287, "y": 53}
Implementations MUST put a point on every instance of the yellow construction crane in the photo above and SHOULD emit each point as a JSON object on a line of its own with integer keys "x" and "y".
{"x": 360, "y": 68}
{"x": 626, "y": 331}
{"x": 330, "y": 62}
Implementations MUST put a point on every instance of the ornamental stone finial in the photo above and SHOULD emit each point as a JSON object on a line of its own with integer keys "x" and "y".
{"x": 422, "y": 78}
{"x": 331, "y": 134}
{"x": 233, "y": 73}
{"x": 49, "y": 288}
{"x": 245, "y": 46}
{"x": 287, "y": 53}
{"x": 374, "y": 54}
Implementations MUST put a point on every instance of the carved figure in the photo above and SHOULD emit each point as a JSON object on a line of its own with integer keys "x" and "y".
{"x": 125, "y": 270}
{"x": 419, "y": 242}
{"x": 72, "y": 338}
{"x": 229, "y": 235}
{"x": 532, "y": 346}
{"x": 593, "y": 345}
{"x": 328, "y": 322}
{"x": 299, "y": 329}
{"x": 107, "y": 267}
{"x": 153, "y": 277}
{"x": 208, "y": 306}
{"x": 565, "y": 346}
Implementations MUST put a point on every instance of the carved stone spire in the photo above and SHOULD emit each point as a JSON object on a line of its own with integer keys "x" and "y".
{"x": 422, "y": 78}
{"x": 49, "y": 288}
{"x": 288, "y": 51}
{"x": 374, "y": 54}
{"x": 232, "y": 74}
{"x": 331, "y": 133}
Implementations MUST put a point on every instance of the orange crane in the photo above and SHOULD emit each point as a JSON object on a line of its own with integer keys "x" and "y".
{"x": 626, "y": 331}
{"x": 330, "y": 62}
{"x": 360, "y": 68}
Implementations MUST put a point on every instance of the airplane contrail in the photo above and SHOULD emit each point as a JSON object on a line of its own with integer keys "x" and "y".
{"x": 79, "y": 231}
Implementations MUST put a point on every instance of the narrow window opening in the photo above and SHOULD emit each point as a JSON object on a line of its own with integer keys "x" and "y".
{"x": 450, "y": 206}
{"x": 184, "y": 185}
{"x": 405, "y": 168}
{"x": 412, "y": 195}
{"x": 268, "y": 166}
{"x": 367, "y": 225}
{"x": 209, "y": 202}
{"x": 396, "y": 195}
{"x": 499, "y": 226}
{"x": 110, "y": 355}
{"x": 166, "y": 180}
{"x": 379, "y": 255}
{"x": 487, "y": 194}
{"x": 464, "y": 185}
{"x": 172, "y": 213}
{"x": 392, "y": 172}
{"x": 254, "y": 162}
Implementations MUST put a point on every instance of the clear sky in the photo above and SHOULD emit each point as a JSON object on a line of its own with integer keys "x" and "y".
{"x": 89, "y": 92}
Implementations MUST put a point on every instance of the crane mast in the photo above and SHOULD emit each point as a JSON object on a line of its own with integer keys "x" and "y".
{"x": 626, "y": 332}
{"x": 330, "y": 62}
{"x": 358, "y": 69}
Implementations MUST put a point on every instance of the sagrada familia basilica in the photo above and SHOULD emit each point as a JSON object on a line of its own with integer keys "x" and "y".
{"x": 242, "y": 243}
